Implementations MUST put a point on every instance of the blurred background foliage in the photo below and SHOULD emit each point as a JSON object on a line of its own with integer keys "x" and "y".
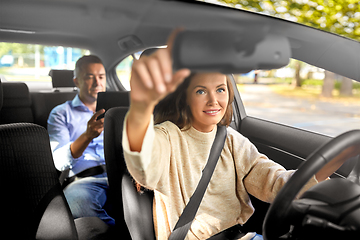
{"x": 337, "y": 16}
{"x": 341, "y": 17}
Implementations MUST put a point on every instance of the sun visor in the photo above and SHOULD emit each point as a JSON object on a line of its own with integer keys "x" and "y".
{"x": 230, "y": 52}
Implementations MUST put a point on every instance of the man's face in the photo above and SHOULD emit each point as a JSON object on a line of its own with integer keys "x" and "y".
{"x": 91, "y": 81}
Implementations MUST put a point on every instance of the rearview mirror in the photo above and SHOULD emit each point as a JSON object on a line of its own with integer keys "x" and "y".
{"x": 229, "y": 52}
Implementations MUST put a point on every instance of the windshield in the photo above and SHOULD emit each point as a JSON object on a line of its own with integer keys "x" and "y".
{"x": 339, "y": 17}
{"x": 301, "y": 95}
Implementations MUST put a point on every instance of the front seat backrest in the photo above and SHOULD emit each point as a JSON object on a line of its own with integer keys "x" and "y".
{"x": 133, "y": 209}
{"x": 32, "y": 201}
{"x": 33, "y": 204}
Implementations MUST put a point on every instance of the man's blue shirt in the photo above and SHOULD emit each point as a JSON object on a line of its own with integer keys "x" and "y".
{"x": 65, "y": 124}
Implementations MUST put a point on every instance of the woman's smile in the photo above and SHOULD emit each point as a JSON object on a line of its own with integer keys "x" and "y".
{"x": 212, "y": 112}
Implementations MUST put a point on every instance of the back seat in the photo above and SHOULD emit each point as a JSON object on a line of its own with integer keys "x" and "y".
{"x": 44, "y": 102}
{"x": 19, "y": 105}
{"x": 16, "y": 103}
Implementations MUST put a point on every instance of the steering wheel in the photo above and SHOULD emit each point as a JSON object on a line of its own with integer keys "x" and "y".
{"x": 342, "y": 147}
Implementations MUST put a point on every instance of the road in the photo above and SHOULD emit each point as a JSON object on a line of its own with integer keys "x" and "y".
{"x": 314, "y": 115}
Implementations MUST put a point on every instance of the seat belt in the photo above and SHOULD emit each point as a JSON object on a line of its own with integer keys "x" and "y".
{"x": 183, "y": 224}
{"x": 92, "y": 171}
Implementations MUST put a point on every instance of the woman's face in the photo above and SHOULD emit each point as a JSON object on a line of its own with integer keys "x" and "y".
{"x": 207, "y": 97}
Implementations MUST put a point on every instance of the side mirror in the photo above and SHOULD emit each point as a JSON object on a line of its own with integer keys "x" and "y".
{"x": 230, "y": 52}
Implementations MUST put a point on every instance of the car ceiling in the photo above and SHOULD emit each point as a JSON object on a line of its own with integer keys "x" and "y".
{"x": 113, "y": 29}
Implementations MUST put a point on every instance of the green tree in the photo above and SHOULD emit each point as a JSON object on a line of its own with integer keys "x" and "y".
{"x": 5, "y": 48}
{"x": 337, "y": 16}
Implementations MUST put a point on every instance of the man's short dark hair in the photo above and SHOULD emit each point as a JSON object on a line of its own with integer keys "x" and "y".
{"x": 84, "y": 61}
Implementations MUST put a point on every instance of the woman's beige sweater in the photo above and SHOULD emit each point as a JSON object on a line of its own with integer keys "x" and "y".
{"x": 171, "y": 163}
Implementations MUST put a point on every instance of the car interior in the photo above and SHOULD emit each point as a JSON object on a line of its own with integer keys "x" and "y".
{"x": 34, "y": 203}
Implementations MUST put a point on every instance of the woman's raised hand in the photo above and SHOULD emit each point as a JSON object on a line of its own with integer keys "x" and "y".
{"x": 152, "y": 76}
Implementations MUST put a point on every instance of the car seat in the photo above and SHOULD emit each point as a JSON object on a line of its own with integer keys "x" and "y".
{"x": 43, "y": 102}
{"x": 62, "y": 78}
{"x": 33, "y": 203}
{"x": 34, "y": 206}
{"x": 133, "y": 209}
{"x": 16, "y": 103}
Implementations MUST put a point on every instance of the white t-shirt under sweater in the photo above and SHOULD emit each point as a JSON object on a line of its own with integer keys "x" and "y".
{"x": 171, "y": 163}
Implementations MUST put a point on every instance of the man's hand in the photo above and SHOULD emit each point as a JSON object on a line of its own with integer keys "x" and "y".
{"x": 93, "y": 130}
{"x": 95, "y": 127}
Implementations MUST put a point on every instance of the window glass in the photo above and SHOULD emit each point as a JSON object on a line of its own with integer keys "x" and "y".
{"x": 302, "y": 96}
{"x": 123, "y": 71}
{"x": 339, "y": 17}
{"x": 294, "y": 95}
{"x": 32, "y": 63}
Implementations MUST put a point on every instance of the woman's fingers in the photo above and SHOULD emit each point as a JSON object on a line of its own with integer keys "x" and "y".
{"x": 171, "y": 39}
{"x": 153, "y": 76}
{"x": 140, "y": 72}
{"x": 154, "y": 67}
{"x": 164, "y": 58}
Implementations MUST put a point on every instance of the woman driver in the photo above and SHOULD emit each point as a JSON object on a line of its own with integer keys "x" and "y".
{"x": 168, "y": 156}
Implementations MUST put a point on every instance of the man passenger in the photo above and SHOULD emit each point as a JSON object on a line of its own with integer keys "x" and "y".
{"x": 76, "y": 138}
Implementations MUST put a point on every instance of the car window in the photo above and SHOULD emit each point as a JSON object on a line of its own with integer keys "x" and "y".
{"x": 302, "y": 96}
{"x": 294, "y": 95}
{"x": 123, "y": 71}
{"x": 32, "y": 63}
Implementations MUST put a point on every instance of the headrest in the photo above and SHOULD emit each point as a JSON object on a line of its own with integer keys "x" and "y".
{"x": 1, "y": 95}
{"x": 15, "y": 94}
{"x": 62, "y": 78}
